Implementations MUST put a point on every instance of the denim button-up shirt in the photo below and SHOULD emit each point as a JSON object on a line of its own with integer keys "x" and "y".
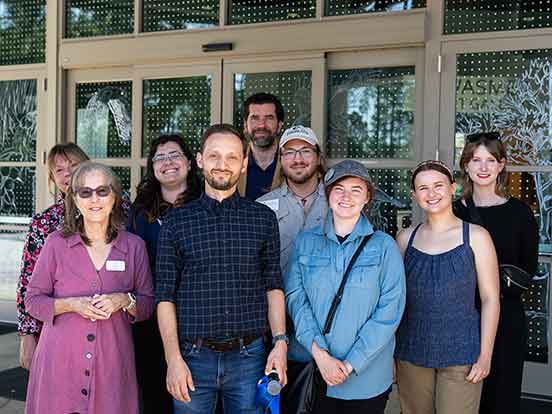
{"x": 363, "y": 331}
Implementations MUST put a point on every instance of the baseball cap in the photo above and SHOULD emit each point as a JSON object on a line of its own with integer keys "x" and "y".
{"x": 299, "y": 132}
{"x": 346, "y": 168}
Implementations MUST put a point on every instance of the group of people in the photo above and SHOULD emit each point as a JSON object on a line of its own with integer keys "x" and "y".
{"x": 165, "y": 305}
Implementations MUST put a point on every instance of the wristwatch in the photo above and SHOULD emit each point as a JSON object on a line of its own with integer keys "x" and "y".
{"x": 280, "y": 337}
{"x": 132, "y": 304}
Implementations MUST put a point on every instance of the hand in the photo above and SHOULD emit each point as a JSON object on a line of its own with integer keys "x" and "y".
{"x": 333, "y": 371}
{"x": 277, "y": 359}
{"x": 84, "y": 307}
{"x": 110, "y": 303}
{"x": 179, "y": 380}
{"x": 27, "y": 347}
{"x": 349, "y": 367}
{"x": 479, "y": 370}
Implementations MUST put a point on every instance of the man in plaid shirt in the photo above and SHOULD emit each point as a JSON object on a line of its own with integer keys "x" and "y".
{"x": 218, "y": 280}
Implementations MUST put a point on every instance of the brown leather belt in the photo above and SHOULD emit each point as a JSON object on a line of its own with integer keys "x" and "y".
{"x": 225, "y": 345}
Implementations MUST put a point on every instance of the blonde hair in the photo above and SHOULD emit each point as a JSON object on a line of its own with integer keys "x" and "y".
{"x": 69, "y": 151}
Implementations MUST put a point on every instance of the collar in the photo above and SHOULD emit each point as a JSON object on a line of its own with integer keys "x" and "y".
{"x": 120, "y": 242}
{"x": 253, "y": 163}
{"x": 363, "y": 227}
{"x": 210, "y": 203}
{"x": 287, "y": 192}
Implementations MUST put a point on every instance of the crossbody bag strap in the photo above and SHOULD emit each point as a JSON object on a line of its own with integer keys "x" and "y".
{"x": 339, "y": 294}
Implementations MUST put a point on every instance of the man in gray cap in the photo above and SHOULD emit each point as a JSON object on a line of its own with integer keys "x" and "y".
{"x": 299, "y": 202}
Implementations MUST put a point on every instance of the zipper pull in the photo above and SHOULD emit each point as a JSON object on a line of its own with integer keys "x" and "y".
{"x": 509, "y": 282}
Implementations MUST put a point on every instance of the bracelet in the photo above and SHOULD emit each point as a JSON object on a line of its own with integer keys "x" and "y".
{"x": 132, "y": 304}
{"x": 280, "y": 337}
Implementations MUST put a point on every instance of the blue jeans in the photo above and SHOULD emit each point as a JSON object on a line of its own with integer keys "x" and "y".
{"x": 233, "y": 374}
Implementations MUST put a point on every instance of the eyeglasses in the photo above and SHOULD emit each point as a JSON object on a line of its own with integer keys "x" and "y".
{"x": 489, "y": 136}
{"x": 305, "y": 153}
{"x": 171, "y": 156}
{"x": 101, "y": 191}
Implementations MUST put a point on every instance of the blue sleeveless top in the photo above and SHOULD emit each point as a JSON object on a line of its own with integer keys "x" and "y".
{"x": 440, "y": 326}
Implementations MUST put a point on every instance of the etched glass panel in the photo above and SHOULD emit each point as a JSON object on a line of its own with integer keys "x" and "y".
{"x": 371, "y": 113}
{"x": 259, "y": 11}
{"x": 18, "y": 120}
{"x": 391, "y": 208}
{"x": 176, "y": 106}
{"x": 472, "y": 16}
{"x": 161, "y": 15}
{"x": 341, "y": 7}
{"x": 86, "y": 18}
{"x": 22, "y": 31}
{"x": 103, "y": 114}
{"x": 292, "y": 88}
{"x": 17, "y": 191}
{"x": 511, "y": 92}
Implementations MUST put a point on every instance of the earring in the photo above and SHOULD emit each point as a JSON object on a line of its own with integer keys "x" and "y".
{"x": 77, "y": 214}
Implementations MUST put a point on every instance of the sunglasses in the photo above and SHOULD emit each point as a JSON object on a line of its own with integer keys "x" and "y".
{"x": 489, "y": 136}
{"x": 101, "y": 191}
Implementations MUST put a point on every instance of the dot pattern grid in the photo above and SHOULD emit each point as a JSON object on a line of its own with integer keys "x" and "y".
{"x": 471, "y": 16}
{"x": 85, "y": 92}
{"x": 292, "y": 88}
{"x": 506, "y": 91}
{"x": 22, "y": 32}
{"x": 180, "y": 105}
{"x": 87, "y": 18}
{"x": 371, "y": 113}
{"x": 392, "y": 195}
{"x": 161, "y": 15}
{"x": 343, "y": 7}
{"x": 258, "y": 11}
{"x": 17, "y": 191}
{"x": 18, "y": 120}
{"x": 124, "y": 176}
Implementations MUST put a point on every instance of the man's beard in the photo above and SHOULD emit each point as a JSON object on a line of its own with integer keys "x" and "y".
{"x": 262, "y": 142}
{"x": 221, "y": 185}
{"x": 303, "y": 178}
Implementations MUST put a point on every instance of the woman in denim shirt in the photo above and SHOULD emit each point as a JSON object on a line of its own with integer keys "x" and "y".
{"x": 356, "y": 357}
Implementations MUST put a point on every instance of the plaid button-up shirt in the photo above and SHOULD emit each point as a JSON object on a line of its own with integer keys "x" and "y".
{"x": 216, "y": 261}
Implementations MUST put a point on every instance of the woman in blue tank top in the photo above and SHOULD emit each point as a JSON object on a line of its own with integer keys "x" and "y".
{"x": 444, "y": 344}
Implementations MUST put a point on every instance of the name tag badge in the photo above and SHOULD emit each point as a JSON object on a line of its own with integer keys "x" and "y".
{"x": 115, "y": 265}
{"x": 274, "y": 204}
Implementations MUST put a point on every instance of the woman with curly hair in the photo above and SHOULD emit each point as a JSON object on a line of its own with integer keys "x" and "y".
{"x": 171, "y": 180}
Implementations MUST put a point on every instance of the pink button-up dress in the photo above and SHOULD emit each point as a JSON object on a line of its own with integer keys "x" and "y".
{"x": 84, "y": 366}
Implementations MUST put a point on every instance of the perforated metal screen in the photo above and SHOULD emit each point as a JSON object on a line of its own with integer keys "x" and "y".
{"x": 160, "y": 15}
{"x": 85, "y": 18}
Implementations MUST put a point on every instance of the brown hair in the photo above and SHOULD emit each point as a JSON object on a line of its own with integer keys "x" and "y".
{"x": 69, "y": 151}
{"x": 225, "y": 129}
{"x": 74, "y": 223}
{"x": 431, "y": 165}
{"x": 497, "y": 149}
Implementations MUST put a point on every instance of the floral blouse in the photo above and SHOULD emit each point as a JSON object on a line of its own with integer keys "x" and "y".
{"x": 42, "y": 225}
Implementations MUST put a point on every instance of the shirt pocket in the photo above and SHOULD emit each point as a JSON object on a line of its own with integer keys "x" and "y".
{"x": 314, "y": 269}
{"x": 365, "y": 272}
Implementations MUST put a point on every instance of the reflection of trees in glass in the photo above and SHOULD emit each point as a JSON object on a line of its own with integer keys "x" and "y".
{"x": 17, "y": 191}
{"x": 341, "y": 7}
{"x": 160, "y": 15}
{"x": 22, "y": 31}
{"x": 181, "y": 106}
{"x": 85, "y": 18}
{"x": 18, "y": 120}
{"x": 292, "y": 88}
{"x": 371, "y": 113}
{"x": 104, "y": 124}
{"x": 258, "y": 11}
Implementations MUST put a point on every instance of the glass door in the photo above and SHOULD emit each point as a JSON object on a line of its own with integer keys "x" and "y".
{"x": 22, "y": 190}
{"x": 506, "y": 85}
{"x": 115, "y": 114}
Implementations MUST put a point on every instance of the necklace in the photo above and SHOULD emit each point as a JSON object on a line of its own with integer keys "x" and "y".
{"x": 303, "y": 199}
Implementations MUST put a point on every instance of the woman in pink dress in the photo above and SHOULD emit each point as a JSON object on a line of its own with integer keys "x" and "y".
{"x": 91, "y": 281}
